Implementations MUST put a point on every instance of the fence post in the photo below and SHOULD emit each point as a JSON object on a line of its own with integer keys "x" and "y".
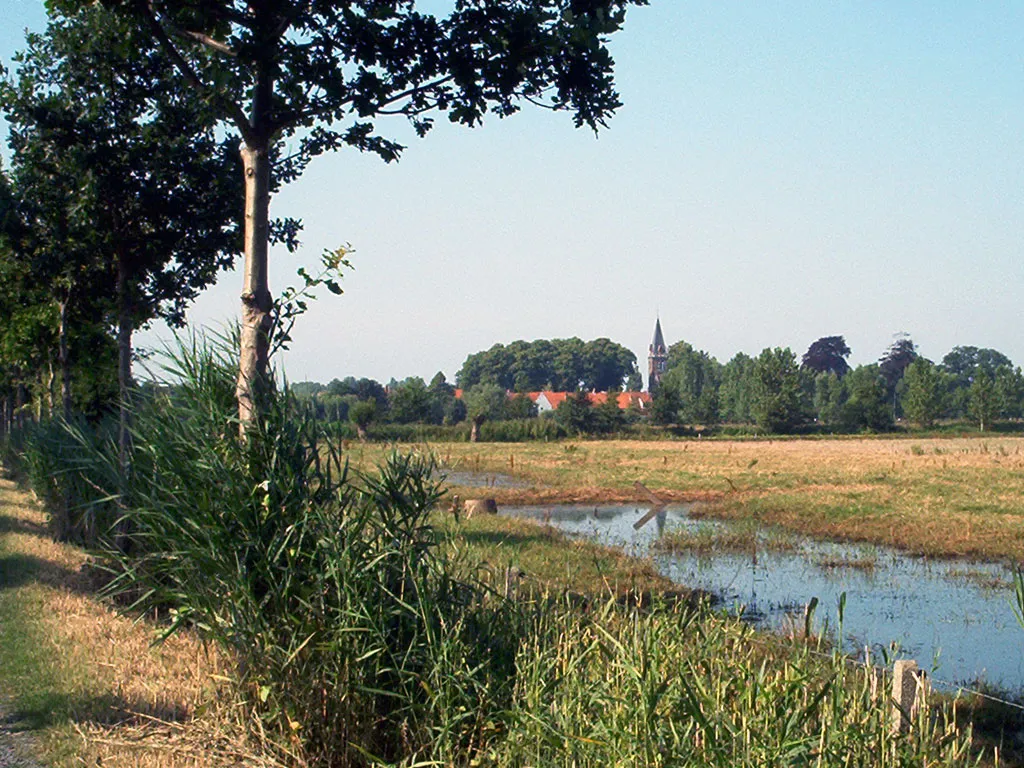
{"x": 909, "y": 685}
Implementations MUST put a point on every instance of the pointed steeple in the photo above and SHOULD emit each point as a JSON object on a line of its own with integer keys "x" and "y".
{"x": 659, "y": 340}
{"x": 657, "y": 359}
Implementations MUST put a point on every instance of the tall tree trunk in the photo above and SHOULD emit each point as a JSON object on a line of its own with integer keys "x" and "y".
{"x": 37, "y": 401}
{"x": 19, "y": 400}
{"x": 64, "y": 360}
{"x": 124, "y": 385}
{"x": 50, "y": 378}
{"x": 124, "y": 366}
{"x": 256, "y": 299}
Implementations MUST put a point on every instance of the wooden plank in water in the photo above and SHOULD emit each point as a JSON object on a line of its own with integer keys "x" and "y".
{"x": 656, "y": 506}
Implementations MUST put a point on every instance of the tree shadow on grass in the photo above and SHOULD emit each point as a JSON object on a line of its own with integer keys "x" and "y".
{"x": 12, "y": 524}
{"x": 17, "y": 570}
{"x": 45, "y": 708}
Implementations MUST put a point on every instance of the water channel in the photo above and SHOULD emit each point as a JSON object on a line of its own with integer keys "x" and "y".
{"x": 954, "y": 617}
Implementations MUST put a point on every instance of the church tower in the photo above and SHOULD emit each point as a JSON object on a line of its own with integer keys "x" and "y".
{"x": 657, "y": 360}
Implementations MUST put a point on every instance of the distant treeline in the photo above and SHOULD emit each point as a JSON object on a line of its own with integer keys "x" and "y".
{"x": 774, "y": 392}
{"x": 779, "y": 393}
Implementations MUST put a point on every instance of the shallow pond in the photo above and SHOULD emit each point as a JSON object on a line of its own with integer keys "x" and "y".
{"x": 956, "y": 616}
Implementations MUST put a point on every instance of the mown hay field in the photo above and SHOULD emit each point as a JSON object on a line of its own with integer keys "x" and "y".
{"x": 938, "y": 496}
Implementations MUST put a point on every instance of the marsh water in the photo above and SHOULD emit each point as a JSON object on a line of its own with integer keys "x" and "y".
{"x": 471, "y": 479}
{"x": 954, "y": 617}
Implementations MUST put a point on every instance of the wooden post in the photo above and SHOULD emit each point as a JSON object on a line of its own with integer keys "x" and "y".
{"x": 909, "y": 687}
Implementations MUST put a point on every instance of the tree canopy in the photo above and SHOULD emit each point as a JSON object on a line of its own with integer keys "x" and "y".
{"x": 323, "y": 73}
{"x": 562, "y": 365}
{"x": 827, "y": 355}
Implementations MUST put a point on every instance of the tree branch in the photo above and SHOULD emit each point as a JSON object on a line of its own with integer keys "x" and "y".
{"x": 231, "y": 111}
{"x": 206, "y": 40}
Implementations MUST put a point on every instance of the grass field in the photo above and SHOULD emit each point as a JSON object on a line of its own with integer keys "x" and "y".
{"x": 87, "y": 684}
{"x": 939, "y": 496}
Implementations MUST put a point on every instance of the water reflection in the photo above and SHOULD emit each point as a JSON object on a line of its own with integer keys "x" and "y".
{"x": 953, "y": 614}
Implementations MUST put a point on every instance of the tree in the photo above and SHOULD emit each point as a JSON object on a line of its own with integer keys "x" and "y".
{"x": 409, "y": 401}
{"x": 777, "y": 405}
{"x": 94, "y": 111}
{"x": 606, "y": 365}
{"x": 830, "y": 394}
{"x": 962, "y": 362}
{"x": 483, "y": 401}
{"x": 558, "y": 364}
{"x": 567, "y": 371}
{"x": 695, "y": 376}
{"x": 575, "y": 413}
{"x": 666, "y": 406}
{"x": 362, "y": 413}
{"x": 519, "y": 406}
{"x": 736, "y": 392}
{"x": 323, "y": 72}
{"x": 925, "y": 392}
{"x": 984, "y": 403}
{"x": 894, "y": 362}
{"x": 607, "y": 417}
{"x": 900, "y": 354}
{"x": 441, "y": 396}
{"x": 866, "y": 406}
{"x": 827, "y": 355}
{"x": 1010, "y": 389}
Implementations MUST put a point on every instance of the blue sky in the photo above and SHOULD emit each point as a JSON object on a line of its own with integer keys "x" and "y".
{"x": 778, "y": 172}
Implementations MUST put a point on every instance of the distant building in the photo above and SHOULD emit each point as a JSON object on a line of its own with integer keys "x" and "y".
{"x": 548, "y": 401}
{"x": 657, "y": 360}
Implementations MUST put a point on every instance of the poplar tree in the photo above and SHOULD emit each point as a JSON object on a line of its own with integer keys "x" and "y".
{"x": 123, "y": 176}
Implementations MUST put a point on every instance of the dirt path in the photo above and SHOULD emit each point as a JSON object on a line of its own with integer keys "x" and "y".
{"x": 16, "y": 745}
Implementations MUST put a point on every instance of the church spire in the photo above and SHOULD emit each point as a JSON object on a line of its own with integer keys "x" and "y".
{"x": 657, "y": 359}
{"x": 659, "y": 340}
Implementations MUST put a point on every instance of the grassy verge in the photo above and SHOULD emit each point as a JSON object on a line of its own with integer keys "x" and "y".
{"x": 941, "y": 496}
{"x": 80, "y": 684}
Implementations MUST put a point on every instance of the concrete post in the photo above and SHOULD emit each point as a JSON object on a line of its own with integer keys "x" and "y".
{"x": 909, "y": 687}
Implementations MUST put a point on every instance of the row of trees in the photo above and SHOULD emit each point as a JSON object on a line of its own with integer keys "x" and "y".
{"x": 775, "y": 391}
{"x": 118, "y": 208}
{"x": 138, "y": 130}
{"x": 780, "y": 393}
{"x": 562, "y": 365}
{"x": 413, "y": 401}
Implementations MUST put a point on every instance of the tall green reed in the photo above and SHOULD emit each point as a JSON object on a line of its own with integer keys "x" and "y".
{"x": 354, "y": 639}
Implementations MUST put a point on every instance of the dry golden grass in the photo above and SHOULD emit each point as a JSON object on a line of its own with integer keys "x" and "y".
{"x": 936, "y": 496}
{"x": 117, "y": 699}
